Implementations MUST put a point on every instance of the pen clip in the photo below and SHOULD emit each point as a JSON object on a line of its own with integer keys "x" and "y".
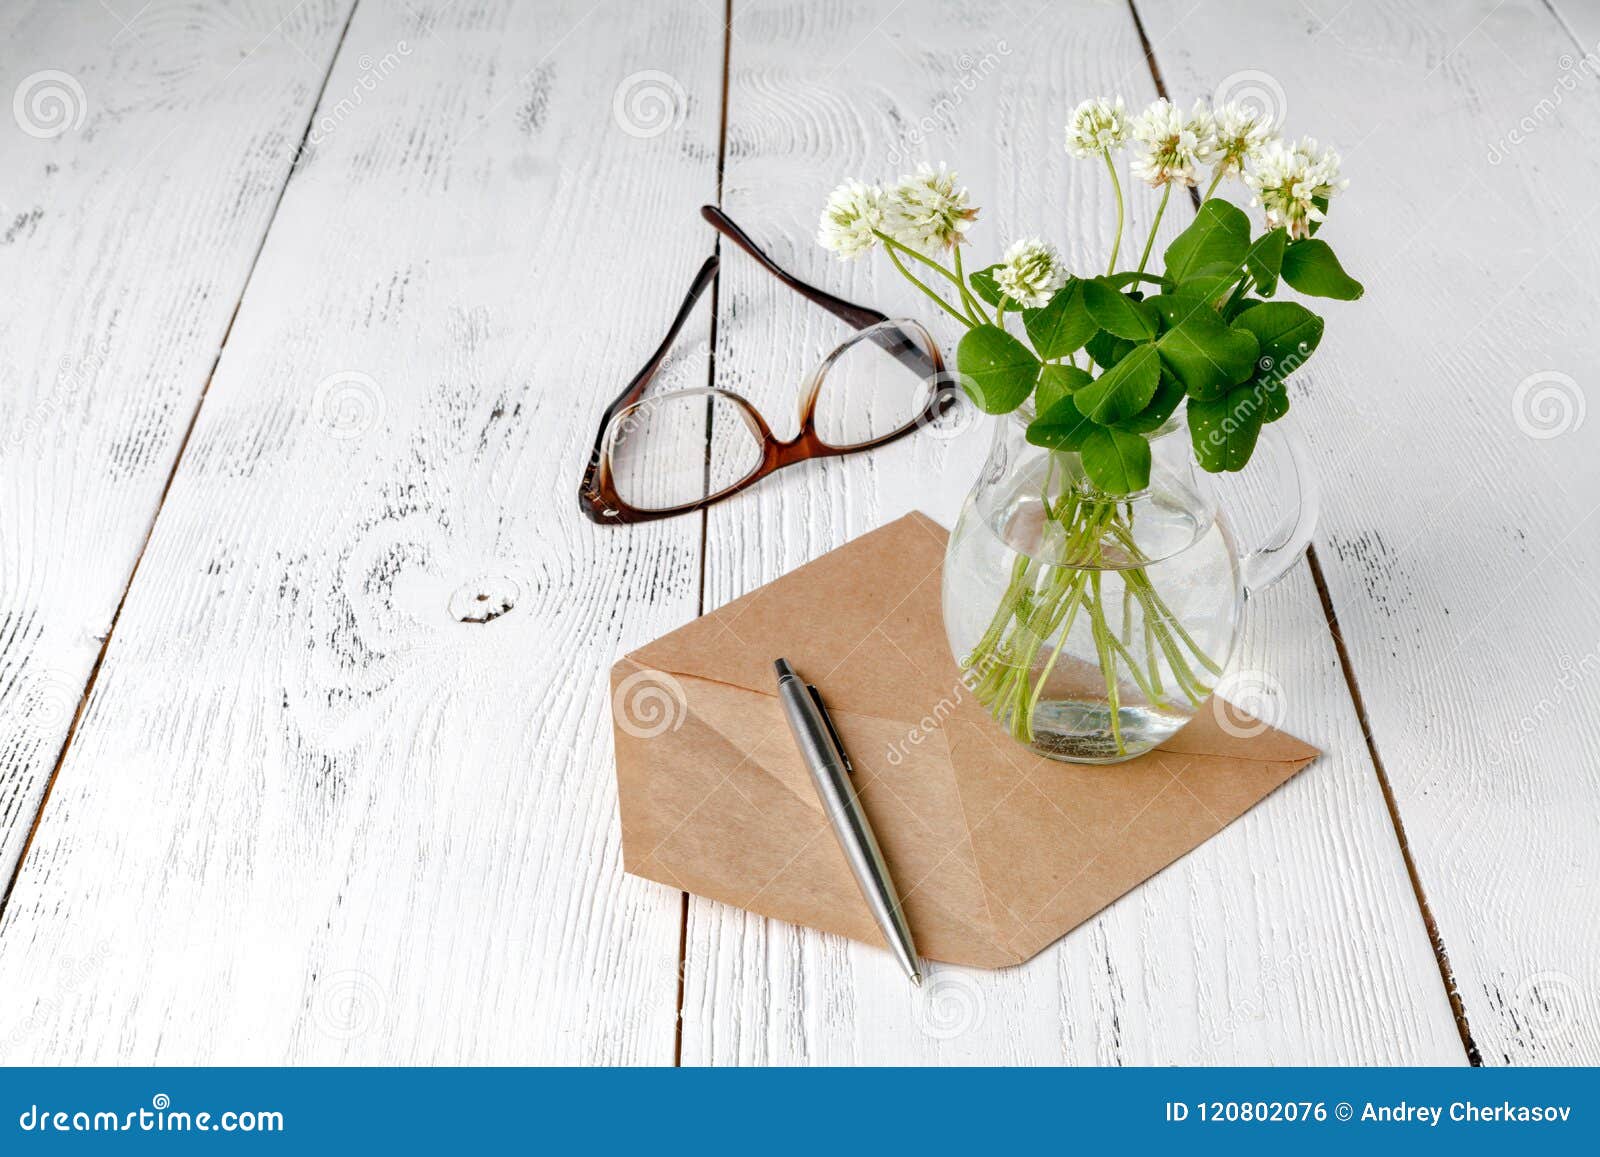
{"x": 827, "y": 721}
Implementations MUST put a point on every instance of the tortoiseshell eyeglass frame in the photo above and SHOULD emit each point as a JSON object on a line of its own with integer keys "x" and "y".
{"x": 597, "y": 495}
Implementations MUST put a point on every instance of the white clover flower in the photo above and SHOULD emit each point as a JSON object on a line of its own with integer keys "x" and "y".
{"x": 1241, "y": 132}
{"x": 853, "y": 211}
{"x": 1030, "y": 272}
{"x": 1175, "y": 145}
{"x": 1289, "y": 180}
{"x": 1097, "y": 126}
{"x": 926, "y": 211}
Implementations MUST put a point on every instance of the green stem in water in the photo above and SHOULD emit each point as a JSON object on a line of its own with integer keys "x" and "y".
{"x": 1108, "y": 662}
{"x": 1133, "y": 667}
{"x": 1021, "y": 578}
{"x": 1116, "y": 186}
{"x": 1153, "y": 663}
{"x": 1187, "y": 683}
{"x": 1170, "y": 620}
{"x": 1147, "y": 591}
{"x": 1127, "y": 615}
{"x": 1074, "y": 597}
{"x": 1032, "y": 636}
{"x": 1166, "y": 195}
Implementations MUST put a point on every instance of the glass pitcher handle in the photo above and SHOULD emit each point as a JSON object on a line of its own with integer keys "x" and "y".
{"x": 1267, "y": 564}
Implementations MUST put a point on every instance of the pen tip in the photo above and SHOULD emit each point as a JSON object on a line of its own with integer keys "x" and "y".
{"x": 916, "y": 979}
{"x": 783, "y": 669}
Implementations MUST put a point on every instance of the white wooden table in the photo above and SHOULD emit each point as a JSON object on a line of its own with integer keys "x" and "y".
{"x": 309, "y": 310}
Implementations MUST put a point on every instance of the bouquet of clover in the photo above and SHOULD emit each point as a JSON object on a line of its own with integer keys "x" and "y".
{"x": 1107, "y": 360}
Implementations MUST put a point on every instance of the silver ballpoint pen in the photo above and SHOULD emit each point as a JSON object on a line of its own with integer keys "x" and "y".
{"x": 830, "y": 770}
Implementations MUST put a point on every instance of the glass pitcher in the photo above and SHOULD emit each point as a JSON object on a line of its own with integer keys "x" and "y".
{"x": 1094, "y": 626}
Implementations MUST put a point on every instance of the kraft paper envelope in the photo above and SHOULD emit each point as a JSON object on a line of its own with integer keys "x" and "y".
{"x": 996, "y": 852}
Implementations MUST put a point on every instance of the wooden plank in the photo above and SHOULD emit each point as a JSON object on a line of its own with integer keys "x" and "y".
{"x": 139, "y": 167}
{"x": 1293, "y": 937}
{"x": 1582, "y": 23}
{"x": 314, "y": 813}
{"x": 1459, "y": 521}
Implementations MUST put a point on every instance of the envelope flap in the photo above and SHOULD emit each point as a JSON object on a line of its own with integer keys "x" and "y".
{"x": 1222, "y": 729}
{"x": 716, "y": 800}
{"x": 820, "y": 617}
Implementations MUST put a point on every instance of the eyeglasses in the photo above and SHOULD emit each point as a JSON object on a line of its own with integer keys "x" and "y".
{"x": 684, "y": 450}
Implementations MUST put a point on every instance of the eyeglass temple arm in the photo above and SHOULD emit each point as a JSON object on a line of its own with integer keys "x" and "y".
{"x": 635, "y": 388}
{"x": 860, "y": 316}
{"x": 857, "y": 315}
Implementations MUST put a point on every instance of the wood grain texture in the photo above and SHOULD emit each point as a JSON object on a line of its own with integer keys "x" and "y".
{"x": 1293, "y": 937}
{"x": 1459, "y": 529}
{"x": 314, "y": 813}
{"x": 139, "y": 166}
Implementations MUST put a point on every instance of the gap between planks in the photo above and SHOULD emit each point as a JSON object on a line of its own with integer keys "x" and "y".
{"x": 1446, "y": 974}
{"x": 177, "y": 460}
{"x": 711, "y": 380}
{"x": 1353, "y": 685}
